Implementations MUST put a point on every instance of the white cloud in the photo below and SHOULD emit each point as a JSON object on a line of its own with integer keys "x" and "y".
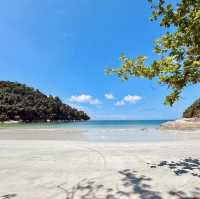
{"x": 80, "y": 98}
{"x": 95, "y": 102}
{"x": 128, "y": 99}
{"x": 132, "y": 98}
{"x": 120, "y": 103}
{"x": 109, "y": 96}
{"x": 84, "y": 99}
{"x": 76, "y": 106}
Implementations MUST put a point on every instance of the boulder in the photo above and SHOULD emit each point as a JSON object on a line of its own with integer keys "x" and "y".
{"x": 182, "y": 124}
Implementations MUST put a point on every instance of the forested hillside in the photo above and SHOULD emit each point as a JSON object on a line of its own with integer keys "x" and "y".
{"x": 193, "y": 110}
{"x": 21, "y": 103}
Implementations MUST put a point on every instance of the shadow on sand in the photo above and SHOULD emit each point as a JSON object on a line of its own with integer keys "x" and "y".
{"x": 183, "y": 195}
{"x": 132, "y": 186}
{"x": 188, "y": 165}
{"x": 8, "y": 196}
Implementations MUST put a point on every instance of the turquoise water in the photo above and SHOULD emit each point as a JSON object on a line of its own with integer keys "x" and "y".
{"x": 104, "y": 130}
{"x": 119, "y": 124}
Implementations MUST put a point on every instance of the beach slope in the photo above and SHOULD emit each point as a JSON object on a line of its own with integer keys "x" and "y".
{"x": 61, "y": 169}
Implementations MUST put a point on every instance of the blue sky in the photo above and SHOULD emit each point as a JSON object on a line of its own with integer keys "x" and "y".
{"x": 63, "y": 46}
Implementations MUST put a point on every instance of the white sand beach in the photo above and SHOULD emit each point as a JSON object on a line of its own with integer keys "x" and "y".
{"x": 62, "y": 169}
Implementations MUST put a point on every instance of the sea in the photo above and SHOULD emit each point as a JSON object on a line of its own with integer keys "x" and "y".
{"x": 92, "y": 124}
{"x": 107, "y": 130}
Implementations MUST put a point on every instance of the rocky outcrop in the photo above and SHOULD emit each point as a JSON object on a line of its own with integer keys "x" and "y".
{"x": 182, "y": 124}
{"x": 190, "y": 120}
{"x": 193, "y": 111}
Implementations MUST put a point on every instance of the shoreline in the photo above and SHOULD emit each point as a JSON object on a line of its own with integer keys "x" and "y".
{"x": 98, "y": 134}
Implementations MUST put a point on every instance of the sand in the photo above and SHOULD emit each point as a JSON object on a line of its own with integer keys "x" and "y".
{"x": 75, "y": 168}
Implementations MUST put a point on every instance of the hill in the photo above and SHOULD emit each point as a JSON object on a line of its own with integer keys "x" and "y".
{"x": 193, "y": 111}
{"x": 21, "y": 103}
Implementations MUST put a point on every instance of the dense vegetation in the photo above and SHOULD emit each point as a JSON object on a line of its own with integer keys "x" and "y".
{"x": 178, "y": 50}
{"x": 193, "y": 110}
{"x": 21, "y": 103}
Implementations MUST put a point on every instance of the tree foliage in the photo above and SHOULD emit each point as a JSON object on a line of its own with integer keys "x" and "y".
{"x": 178, "y": 49}
{"x": 19, "y": 102}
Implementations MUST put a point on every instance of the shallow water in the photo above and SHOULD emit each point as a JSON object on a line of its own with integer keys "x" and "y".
{"x": 126, "y": 130}
{"x": 131, "y": 134}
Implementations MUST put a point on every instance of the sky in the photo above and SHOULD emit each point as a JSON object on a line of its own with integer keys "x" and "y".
{"x": 62, "y": 47}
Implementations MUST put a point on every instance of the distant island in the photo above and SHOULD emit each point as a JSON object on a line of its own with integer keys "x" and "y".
{"x": 19, "y": 102}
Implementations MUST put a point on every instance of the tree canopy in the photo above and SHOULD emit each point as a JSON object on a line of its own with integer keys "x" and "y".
{"x": 179, "y": 49}
{"x": 21, "y": 103}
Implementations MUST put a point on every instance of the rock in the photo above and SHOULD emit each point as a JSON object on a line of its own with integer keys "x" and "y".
{"x": 182, "y": 124}
{"x": 11, "y": 122}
